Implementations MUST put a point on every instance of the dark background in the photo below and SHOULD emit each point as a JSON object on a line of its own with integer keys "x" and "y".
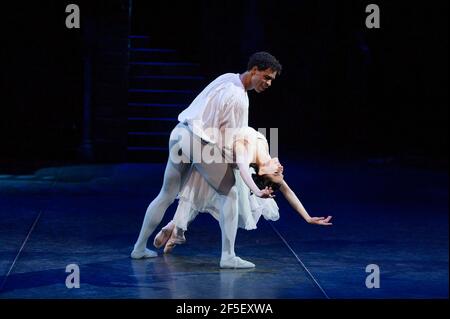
{"x": 345, "y": 91}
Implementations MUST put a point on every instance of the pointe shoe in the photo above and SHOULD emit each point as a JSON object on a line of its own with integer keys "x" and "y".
{"x": 173, "y": 241}
{"x": 170, "y": 245}
{"x": 163, "y": 236}
{"x": 236, "y": 262}
{"x": 147, "y": 253}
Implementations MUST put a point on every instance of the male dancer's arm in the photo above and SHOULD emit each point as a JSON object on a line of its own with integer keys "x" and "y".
{"x": 297, "y": 205}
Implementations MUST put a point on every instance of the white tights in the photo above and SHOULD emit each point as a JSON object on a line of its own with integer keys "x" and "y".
{"x": 174, "y": 177}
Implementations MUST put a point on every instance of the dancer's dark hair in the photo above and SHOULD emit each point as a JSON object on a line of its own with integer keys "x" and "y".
{"x": 264, "y": 60}
{"x": 262, "y": 181}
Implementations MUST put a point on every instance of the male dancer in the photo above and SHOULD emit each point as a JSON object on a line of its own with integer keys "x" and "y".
{"x": 222, "y": 105}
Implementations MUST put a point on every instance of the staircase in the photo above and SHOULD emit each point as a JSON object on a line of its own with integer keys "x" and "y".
{"x": 161, "y": 85}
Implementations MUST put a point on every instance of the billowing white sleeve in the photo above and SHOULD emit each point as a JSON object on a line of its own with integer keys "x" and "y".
{"x": 233, "y": 116}
{"x": 234, "y": 113}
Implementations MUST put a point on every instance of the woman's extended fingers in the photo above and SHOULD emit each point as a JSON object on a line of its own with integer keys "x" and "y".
{"x": 326, "y": 221}
{"x": 322, "y": 220}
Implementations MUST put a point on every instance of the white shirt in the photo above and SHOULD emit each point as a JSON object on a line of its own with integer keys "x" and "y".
{"x": 222, "y": 104}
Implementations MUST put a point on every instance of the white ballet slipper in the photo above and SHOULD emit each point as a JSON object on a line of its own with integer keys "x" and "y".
{"x": 147, "y": 253}
{"x": 236, "y": 262}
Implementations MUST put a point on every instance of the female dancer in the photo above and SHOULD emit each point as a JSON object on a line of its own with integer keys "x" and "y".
{"x": 251, "y": 153}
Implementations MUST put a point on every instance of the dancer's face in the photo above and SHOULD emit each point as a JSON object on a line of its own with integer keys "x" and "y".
{"x": 273, "y": 170}
{"x": 262, "y": 79}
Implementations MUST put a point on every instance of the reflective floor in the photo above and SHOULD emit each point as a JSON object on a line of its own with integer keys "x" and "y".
{"x": 390, "y": 216}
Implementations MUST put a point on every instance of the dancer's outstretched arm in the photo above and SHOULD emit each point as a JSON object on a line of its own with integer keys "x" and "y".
{"x": 297, "y": 205}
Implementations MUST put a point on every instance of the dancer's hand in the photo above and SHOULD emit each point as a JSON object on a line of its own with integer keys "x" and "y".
{"x": 265, "y": 193}
{"x": 320, "y": 221}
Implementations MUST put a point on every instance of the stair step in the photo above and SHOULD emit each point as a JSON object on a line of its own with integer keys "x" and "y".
{"x": 160, "y": 86}
{"x": 194, "y": 83}
{"x": 163, "y": 68}
{"x": 190, "y": 92}
{"x": 152, "y": 119}
{"x": 151, "y": 63}
{"x": 139, "y": 41}
{"x": 148, "y": 133}
{"x": 154, "y": 54}
{"x": 151, "y": 125}
{"x": 159, "y": 112}
{"x": 152, "y": 105}
{"x": 138, "y": 36}
{"x": 147, "y": 148}
{"x": 170, "y": 77}
{"x": 160, "y": 97}
{"x": 161, "y": 50}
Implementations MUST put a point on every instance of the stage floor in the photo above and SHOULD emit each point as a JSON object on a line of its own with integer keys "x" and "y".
{"x": 393, "y": 216}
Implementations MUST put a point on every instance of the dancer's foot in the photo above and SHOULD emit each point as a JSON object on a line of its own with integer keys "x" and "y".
{"x": 235, "y": 262}
{"x": 147, "y": 253}
{"x": 163, "y": 236}
{"x": 176, "y": 238}
{"x": 170, "y": 245}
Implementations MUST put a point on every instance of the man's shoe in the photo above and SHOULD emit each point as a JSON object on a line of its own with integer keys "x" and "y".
{"x": 147, "y": 253}
{"x": 235, "y": 263}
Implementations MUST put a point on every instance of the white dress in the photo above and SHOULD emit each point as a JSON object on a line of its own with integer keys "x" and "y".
{"x": 198, "y": 196}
